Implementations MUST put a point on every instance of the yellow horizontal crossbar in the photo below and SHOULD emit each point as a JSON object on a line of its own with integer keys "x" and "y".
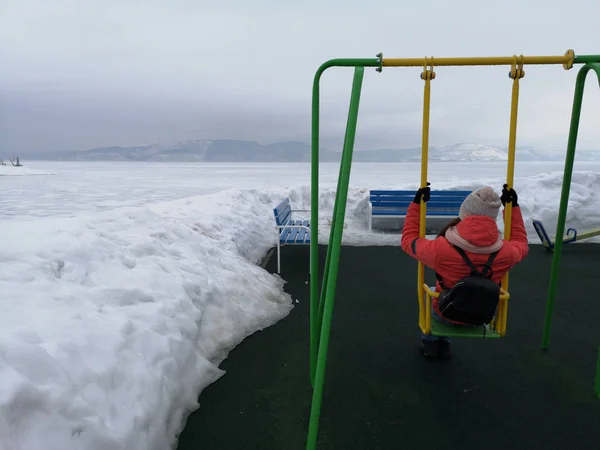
{"x": 566, "y": 60}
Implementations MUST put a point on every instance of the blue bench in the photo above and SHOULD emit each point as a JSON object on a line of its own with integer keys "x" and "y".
{"x": 391, "y": 204}
{"x": 290, "y": 231}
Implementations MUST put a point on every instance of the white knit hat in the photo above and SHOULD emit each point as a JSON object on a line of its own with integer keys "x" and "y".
{"x": 482, "y": 202}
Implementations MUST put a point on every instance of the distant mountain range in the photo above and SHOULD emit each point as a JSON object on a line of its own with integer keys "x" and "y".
{"x": 224, "y": 150}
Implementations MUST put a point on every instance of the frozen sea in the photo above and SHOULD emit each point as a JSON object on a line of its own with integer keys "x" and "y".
{"x": 124, "y": 285}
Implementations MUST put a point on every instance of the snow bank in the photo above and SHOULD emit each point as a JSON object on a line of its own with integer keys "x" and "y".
{"x": 10, "y": 170}
{"x": 112, "y": 323}
{"x": 539, "y": 198}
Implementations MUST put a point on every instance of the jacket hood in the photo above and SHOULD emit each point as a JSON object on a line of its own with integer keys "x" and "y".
{"x": 481, "y": 231}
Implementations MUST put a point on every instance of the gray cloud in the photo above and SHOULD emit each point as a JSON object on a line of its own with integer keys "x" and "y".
{"x": 77, "y": 75}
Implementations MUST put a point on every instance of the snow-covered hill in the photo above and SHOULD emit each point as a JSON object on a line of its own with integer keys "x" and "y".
{"x": 230, "y": 150}
{"x": 469, "y": 152}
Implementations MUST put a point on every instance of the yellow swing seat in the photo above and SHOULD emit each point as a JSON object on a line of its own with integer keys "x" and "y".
{"x": 434, "y": 327}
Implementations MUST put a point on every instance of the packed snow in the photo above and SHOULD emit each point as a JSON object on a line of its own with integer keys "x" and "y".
{"x": 126, "y": 284}
{"x": 10, "y": 170}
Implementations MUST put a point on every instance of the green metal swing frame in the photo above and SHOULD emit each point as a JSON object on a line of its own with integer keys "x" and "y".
{"x": 321, "y": 302}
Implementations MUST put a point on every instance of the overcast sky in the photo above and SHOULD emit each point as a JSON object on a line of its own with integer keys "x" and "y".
{"x": 81, "y": 74}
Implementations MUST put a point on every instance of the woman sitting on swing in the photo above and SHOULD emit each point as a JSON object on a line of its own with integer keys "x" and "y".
{"x": 473, "y": 233}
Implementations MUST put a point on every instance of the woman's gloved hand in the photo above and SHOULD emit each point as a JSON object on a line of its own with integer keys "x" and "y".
{"x": 424, "y": 192}
{"x": 509, "y": 196}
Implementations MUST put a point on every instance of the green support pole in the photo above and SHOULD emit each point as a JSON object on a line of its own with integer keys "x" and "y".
{"x": 332, "y": 273}
{"x": 564, "y": 198}
{"x": 314, "y": 217}
{"x": 328, "y": 257}
{"x": 597, "y": 379}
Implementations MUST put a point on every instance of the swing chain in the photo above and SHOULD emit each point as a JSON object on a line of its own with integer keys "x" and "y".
{"x": 428, "y": 74}
{"x": 517, "y": 72}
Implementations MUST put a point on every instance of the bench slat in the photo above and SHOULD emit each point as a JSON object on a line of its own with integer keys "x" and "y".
{"x": 306, "y": 223}
{"x": 405, "y": 209}
{"x": 413, "y": 192}
{"x": 430, "y": 204}
{"x": 285, "y": 232}
{"x": 283, "y": 215}
{"x": 293, "y": 233}
{"x": 281, "y": 206}
{"x": 409, "y": 198}
{"x": 412, "y": 195}
{"x": 400, "y": 213}
{"x": 303, "y": 235}
{"x": 395, "y": 203}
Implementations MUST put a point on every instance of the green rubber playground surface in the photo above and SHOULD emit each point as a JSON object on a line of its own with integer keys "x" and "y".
{"x": 380, "y": 393}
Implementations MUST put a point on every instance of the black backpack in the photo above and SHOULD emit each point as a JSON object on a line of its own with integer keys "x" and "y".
{"x": 474, "y": 299}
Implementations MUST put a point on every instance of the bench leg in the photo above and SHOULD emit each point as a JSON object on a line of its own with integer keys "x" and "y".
{"x": 370, "y": 216}
{"x": 278, "y": 256}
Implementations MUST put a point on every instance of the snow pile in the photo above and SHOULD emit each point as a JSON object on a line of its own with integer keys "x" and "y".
{"x": 540, "y": 199}
{"x": 112, "y": 323}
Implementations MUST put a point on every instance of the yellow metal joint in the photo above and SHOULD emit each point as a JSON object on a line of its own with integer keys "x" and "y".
{"x": 428, "y": 74}
{"x": 517, "y": 72}
{"x": 570, "y": 54}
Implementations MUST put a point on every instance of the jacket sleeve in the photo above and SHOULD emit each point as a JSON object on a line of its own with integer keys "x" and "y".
{"x": 421, "y": 249}
{"x": 518, "y": 235}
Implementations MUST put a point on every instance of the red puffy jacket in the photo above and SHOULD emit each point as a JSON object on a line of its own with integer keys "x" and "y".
{"x": 481, "y": 231}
